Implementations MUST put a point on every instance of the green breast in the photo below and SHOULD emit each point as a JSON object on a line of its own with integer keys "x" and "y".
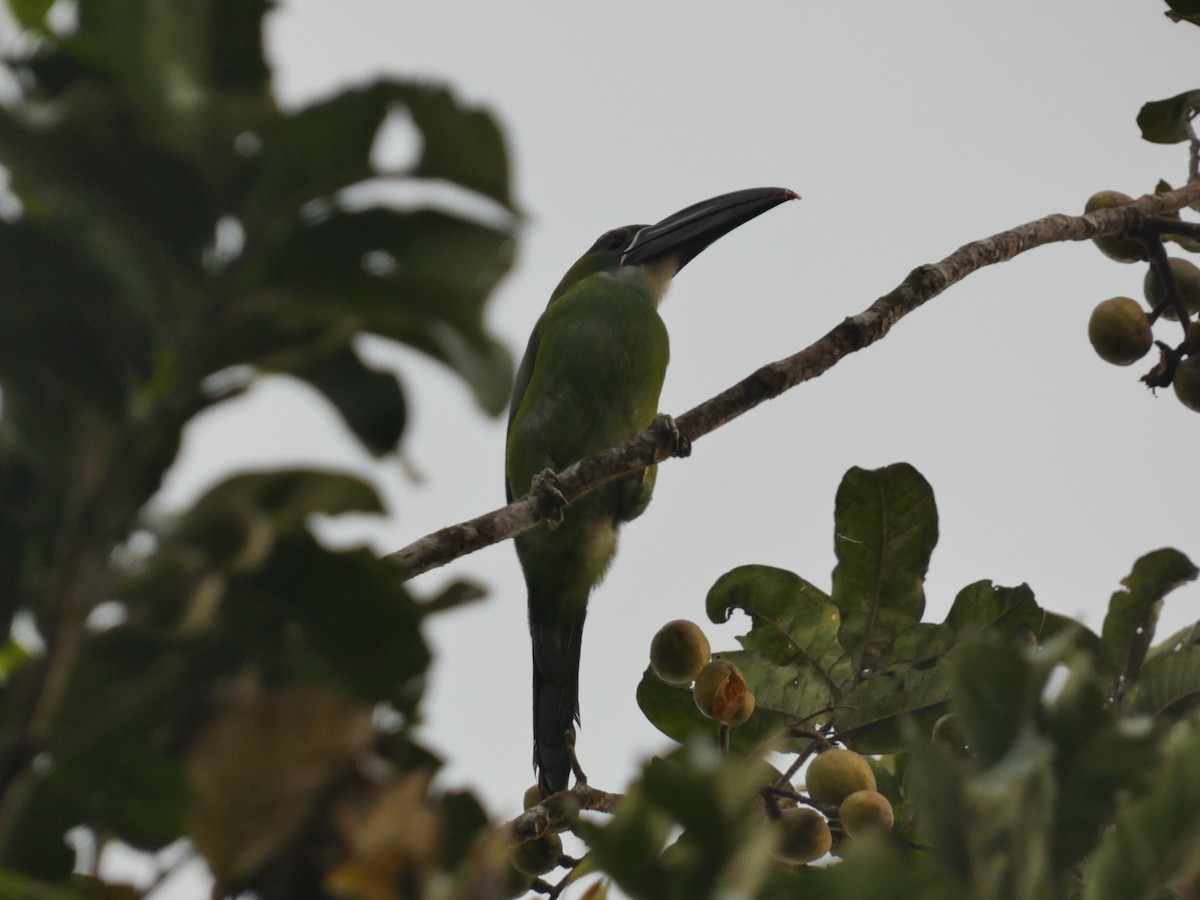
{"x": 600, "y": 359}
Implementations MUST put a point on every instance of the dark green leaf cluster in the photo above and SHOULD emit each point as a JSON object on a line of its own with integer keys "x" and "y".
{"x": 168, "y": 233}
{"x": 1057, "y": 733}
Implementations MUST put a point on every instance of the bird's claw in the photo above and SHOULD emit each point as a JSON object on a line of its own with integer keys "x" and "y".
{"x": 580, "y": 778}
{"x": 681, "y": 445}
{"x": 551, "y": 501}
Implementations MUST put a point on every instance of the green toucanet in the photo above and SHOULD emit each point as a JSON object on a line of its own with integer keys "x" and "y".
{"x": 590, "y": 379}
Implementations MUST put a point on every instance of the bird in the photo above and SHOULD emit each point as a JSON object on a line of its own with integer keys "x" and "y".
{"x": 590, "y": 379}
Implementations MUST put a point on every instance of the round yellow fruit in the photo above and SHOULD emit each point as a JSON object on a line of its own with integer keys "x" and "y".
{"x": 719, "y": 690}
{"x": 1120, "y": 331}
{"x": 803, "y": 835}
{"x": 1187, "y": 382}
{"x": 744, "y": 710}
{"x": 1114, "y": 246}
{"x": 679, "y": 651}
{"x": 1187, "y": 279}
{"x": 866, "y": 811}
{"x": 836, "y": 774}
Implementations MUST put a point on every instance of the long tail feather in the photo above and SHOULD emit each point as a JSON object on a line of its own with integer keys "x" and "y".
{"x": 555, "y": 699}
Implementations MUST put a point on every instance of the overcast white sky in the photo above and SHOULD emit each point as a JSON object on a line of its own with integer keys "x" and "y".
{"x": 909, "y": 129}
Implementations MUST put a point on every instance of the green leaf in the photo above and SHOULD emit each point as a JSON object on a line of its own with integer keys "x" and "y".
{"x": 995, "y": 692}
{"x": 42, "y": 823}
{"x": 1184, "y": 637}
{"x": 1009, "y": 819}
{"x": 206, "y": 46}
{"x": 463, "y": 818}
{"x": 1056, "y": 628}
{"x": 792, "y": 623}
{"x": 1116, "y": 763}
{"x": 131, "y": 697}
{"x": 1079, "y": 710}
{"x": 977, "y": 608}
{"x": 1156, "y": 840}
{"x": 428, "y": 290}
{"x": 725, "y": 843}
{"x": 1169, "y": 683}
{"x": 287, "y": 496}
{"x": 31, "y": 14}
{"x": 881, "y": 871}
{"x": 877, "y": 714}
{"x": 191, "y": 73}
{"x": 1133, "y": 612}
{"x": 461, "y": 145}
{"x": 629, "y": 844}
{"x": 1167, "y": 121}
{"x": 456, "y": 594}
{"x": 935, "y": 785}
{"x": 347, "y": 620}
{"x": 885, "y": 529}
{"x": 142, "y": 213}
{"x": 369, "y": 400}
{"x": 327, "y": 146}
{"x": 69, "y": 337}
{"x": 1185, "y": 7}
{"x": 1099, "y": 758}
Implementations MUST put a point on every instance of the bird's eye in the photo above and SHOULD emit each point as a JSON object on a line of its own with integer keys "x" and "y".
{"x": 615, "y": 240}
{"x": 619, "y": 239}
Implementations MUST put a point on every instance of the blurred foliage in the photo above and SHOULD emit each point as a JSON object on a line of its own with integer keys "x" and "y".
{"x": 169, "y": 233}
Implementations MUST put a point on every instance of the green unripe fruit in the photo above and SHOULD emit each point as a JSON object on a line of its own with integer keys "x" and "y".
{"x": 513, "y": 882}
{"x": 1187, "y": 279}
{"x": 803, "y": 835}
{"x": 564, "y": 807}
{"x": 679, "y": 651}
{"x": 1119, "y": 331}
{"x": 719, "y": 690}
{"x": 533, "y": 796}
{"x": 1187, "y": 382}
{"x": 1114, "y": 246}
{"x": 836, "y": 774}
{"x": 948, "y": 732}
{"x": 866, "y": 811}
{"x": 539, "y": 856}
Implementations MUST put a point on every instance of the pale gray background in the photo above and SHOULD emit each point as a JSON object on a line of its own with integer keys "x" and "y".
{"x": 909, "y": 129}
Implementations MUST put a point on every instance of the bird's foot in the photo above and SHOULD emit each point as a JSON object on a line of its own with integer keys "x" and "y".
{"x": 580, "y": 778}
{"x": 681, "y": 446}
{"x": 550, "y": 499}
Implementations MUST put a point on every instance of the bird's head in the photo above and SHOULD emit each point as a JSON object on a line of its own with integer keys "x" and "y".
{"x": 649, "y": 256}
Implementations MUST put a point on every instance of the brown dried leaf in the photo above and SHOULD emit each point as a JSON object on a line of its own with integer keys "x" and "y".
{"x": 259, "y": 770}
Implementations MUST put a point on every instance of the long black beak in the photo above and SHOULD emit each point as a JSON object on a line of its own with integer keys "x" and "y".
{"x": 686, "y": 233}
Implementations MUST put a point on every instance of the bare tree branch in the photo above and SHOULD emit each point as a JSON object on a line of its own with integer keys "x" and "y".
{"x": 656, "y": 443}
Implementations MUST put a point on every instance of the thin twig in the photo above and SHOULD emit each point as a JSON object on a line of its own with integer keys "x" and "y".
{"x": 1161, "y": 264}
